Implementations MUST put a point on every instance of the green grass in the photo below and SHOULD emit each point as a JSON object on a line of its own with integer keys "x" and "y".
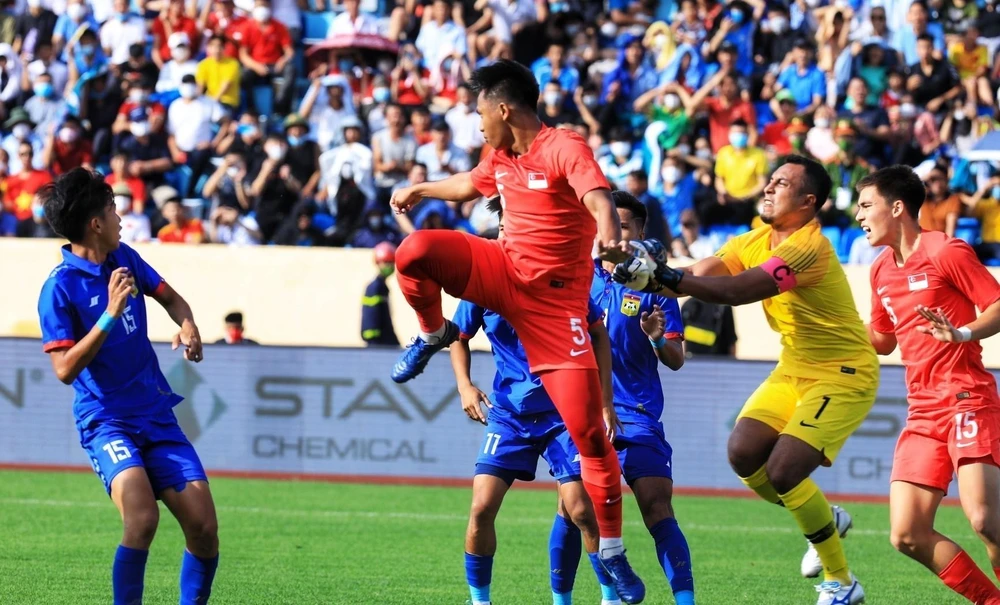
{"x": 302, "y": 543}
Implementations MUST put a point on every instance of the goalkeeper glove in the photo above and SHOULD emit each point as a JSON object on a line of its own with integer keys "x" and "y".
{"x": 663, "y": 274}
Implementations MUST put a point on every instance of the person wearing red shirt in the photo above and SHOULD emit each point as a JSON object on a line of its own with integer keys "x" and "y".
{"x": 556, "y": 201}
{"x": 776, "y": 133}
{"x": 67, "y": 148}
{"x": 724, "y": 109}
{"x": 119, "y": 174}
{"x": 179, "y": 228}
{"x": 223, "y": 21}
{"x": 170, "y": 21}
{"x": 22, "y": 187}
{"x": 266, "y": 52}
{"x": 923, "y": 286}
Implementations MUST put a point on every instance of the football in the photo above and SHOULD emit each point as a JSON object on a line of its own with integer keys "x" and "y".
{"x": 641, "y": 267}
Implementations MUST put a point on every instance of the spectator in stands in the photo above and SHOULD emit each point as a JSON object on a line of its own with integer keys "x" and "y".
{"x": 775, "y": 136}
{"x": 275, "y": 195}
{"x": 820, "y": 142}
{"x": 723, "y": 110}
{"x": 147, "y": 150}
{"x": 44, "y": 109}
{"x": 38, "y": 226}
{"x": 8, "y": 222}
{"x": 218, "y": 74}
{"x": 709, "y": 329}
{"x": 119, "y": 175}
{"x": 552, "y": 110}
{"x": 180, "y": 65}
{"x": 376, "y": 319}
{"x": 907, "y": 39}
{"x": 244, "y": 138}
{"x": 985, "y": 206}
{"x": 507, "y": 19}
{"x": 375, "y": 228}
{"x": 656, "y": 227}
{"x": 135, "y": 225}
{"x": 620, "y": 159}
{"x": 740, "y": 176}
{"x": 440, "y": 33}
{"x": 37, "y": 23}
{"x": 846, "y": 169}
{"x": 393, "y": 152}
{"x": 441, "y": 157}
{"x": 138, "y": 68}
{"x": 67, "y": 147}
{"x": 870, "y": 121}
{"x": 689, "y": 243}
{"x": 932, "y": 81}
{"x": 266, "y": 53}
{"x": 971, "y": 60}
{"x": 687, "y": 27}
{"x": 420, "y": 126}
{"x": 191, "y": 124}
{"x": 631, "y": 77}
{"x": 45, "y": 62}
{"x": 675, "y": 191}
{"x": 173, "y": 21}
{"x": 409, "y": 222}
{"x": 227, "y": 226}
{"x": 941, "y": 207}
{"x": 179, "y": 228}
{"x": 219, "y": 19}
{"x": 21, "y": 189}
{"x": 862, "y": 252}
{"x": 152, "y": 112}
{"x": 352, "y": 160}
{"x": 408, "y": 82}
{"x": 464, "y": 122}
{"x": 553, "y": 68}
{"x": 775, "y": 40}
{"x": 302, "y": 156}
{"x": 121, "y": 31}
{"x": 804, "y": 79}
{"x": 22, "y": 130}
{"x": 351, "y": 21}
{"x": 300, "y": 230}
{"x": 326, "y": 120}
{"x": 68, "y": 25}
{"x": 234, "y": 330}
{"x": 228, "y": 186}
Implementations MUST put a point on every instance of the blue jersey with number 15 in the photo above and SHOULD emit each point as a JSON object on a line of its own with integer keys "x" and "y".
{"x": 515, "y": 389}
{"x": 124, "y": 379}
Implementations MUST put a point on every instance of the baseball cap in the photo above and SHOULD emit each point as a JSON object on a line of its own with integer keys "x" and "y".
{"x": 785, "y": 95}
{"x": 177, "y": 39}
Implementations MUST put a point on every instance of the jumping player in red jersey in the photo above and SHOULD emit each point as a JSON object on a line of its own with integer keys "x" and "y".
{"x": 923, "y": 286}
{"x": 555, "y": 200}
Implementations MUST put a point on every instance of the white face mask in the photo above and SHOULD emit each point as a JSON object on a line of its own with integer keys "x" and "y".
{"x": 779, "y": 25}
{"x": 275, "y": 152}
{"x": 959, "y": 114}
{"x": 908, "y": 110}
{"x": 262, "y": 14}
{"x": 659, "y": 41}
{"x": 703, "y": 154}
{"x": 68, "y": 135}
{"x": 137, "y": 95}
{"x": 22, "y": 131}
{"x": 684, "y": 149}
{"x": 76, "y": 12}
{"x": 551, "y": 98}
{"x": 189, "y": 91}
{"x": 123, "y": 203}
{"x": 609, "y": 29}
{"x": 180, "y": 54}
{"x": 34, "y": 3}
{"x": 232, "y": 171}
{"x": 670, "y": 174}
{"x": 671, "y": 102}
{"x": 139, "y": 129}
{"x": 620, "y": 149}
{"x": 822, "y": 122}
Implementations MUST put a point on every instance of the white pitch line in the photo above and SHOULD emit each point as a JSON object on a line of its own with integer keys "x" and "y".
{"x": 416, "y": 516}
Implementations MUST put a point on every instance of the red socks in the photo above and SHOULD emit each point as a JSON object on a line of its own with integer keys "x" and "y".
{"x": 602, "y": 480}
{"x": 964, "y": 577}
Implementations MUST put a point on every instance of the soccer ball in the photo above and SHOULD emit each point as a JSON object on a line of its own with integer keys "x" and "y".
{"x": 641, "y": 267}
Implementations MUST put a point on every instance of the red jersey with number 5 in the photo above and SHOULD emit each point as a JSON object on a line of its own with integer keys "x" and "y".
{"x": 548, "y": 232}
{"x": 942, "y": 273}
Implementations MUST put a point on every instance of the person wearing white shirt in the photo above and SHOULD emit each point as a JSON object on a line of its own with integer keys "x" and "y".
{"x": 46, "y": 63}
{"x": 135, "y": 225}
{"x": 464, "y": 122}
{"x": 227, "y": 226}
{"x": 22, "y": 130}
{"x": 120, "y": 31}
{"x": 440, "y": 33}
{"x": 352, "y": 160}
{"x": 180, "y": 64}
{"x": 441, "y": 157}
{"x": 327, "y": 117}
{"x": 191, "y": 122}
{"x": 352, "y": 21}
{"x": 509, "y": 16}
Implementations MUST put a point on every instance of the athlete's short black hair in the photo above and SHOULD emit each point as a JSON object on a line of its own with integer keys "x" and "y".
{"x": 817, "y": 181}
{"x": 493, "y": 205}
{"x": 897, "y": 183}
{"x": 624, "y": 199}
{"x": 73, "y": 199}
{"x": 507, "y": 82}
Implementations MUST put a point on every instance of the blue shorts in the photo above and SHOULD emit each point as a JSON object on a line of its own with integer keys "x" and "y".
{"x": 155, "y": 443}
{"x": 512, "y": 445}
{"x": 643, "y": 451}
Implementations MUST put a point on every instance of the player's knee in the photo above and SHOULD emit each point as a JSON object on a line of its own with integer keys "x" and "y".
{"x": 484, "y": 511}
{"x": 590, "y": 440}
{"x": 203, "y": 532}
{"x": 742, "y": 458}
{"x": 908, "y": 540}
{"x": 140, "y": 525}
{"x": 656, "y": 511}
{"x": 984, "y": 523}
{"x": 784, "y": 475}
{"x": 413, "y": 247}
{"x": 579, "y": 511}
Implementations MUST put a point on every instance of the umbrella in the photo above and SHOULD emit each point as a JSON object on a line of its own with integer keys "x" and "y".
{"x": 372, "y": 44}
{"x": 987, "y": 149}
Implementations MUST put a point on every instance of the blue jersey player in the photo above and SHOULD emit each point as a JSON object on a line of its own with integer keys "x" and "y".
{"x": 522, "y": 424}
{"x": 646, "y": 331}
{"x": 93, "y": 318}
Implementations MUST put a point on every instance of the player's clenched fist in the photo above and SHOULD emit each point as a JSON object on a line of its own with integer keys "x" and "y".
{"x": 471, "y": 398}
{"x": 403, "y": 199}
{"x": 653, "y": 324}
{"x": 119, "y": 288}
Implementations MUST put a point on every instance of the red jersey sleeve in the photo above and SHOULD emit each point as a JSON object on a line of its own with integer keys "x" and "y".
{"x": 575, "y": 160}
{"x": 881, "y": 322}
{"x": 484, "y": 175}
{"x": 960, "y": 266}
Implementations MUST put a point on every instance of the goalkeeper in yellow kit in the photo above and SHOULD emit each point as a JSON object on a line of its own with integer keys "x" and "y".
{"x": 827, "y": 375}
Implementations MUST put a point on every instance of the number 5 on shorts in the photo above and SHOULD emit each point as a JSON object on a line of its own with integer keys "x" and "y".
{"x": 117, "y": 451}
{"x": 576, "y": 326}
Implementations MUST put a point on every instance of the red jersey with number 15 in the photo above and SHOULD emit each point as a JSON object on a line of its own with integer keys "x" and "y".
{"x": 548, "y": 232}
{"x": 942, "y": 273}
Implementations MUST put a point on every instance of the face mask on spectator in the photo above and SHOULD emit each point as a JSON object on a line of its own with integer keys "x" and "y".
{"x": 246, "y": 130}
{"x": 38, "y": 211}
{"x": 822, "y": 122}
{"x": 275, "y": 152}
{"x": 34, "y": 3}
{"x": 375, "y": 222}
{"x": 294, "y": 141}
{"x": 68, "y": 135}
{"x": 76, "y": 12}
{"x": 620, "y": 149}
{"x": 551, "y": 97}
{"x": 385, "y": 66}
{"x": 188, "y": 91}
{"x": 139, "y": 129}
{"x": 738, "y": 139}
{"x": 703, "y": 154}
{"x": 232, "y": 171}
{"x": 180, "y": 54}
{"x": 22, "y": 132}
{"x": 122, "y": 16}
{"x": 122, "y": 203}
{"x": 908, "y": 111}
{"x": 959, "y": 114}
{"x": 380, "y": 94}
{"x": 659, "y": 41}
{"x": 671, "y": 102}
{"x": 609, "y": 29}
{"x": 88, "y": 50}
{"x": 590, "y": 100}
{"x": 684, "y": 149}
{"x": 137, "y": 96}
{"x": 995, "y": 194}
{"x": 779, "y": 25}
{"x": 736, "y": 16}
{"x": 262, "y": 14}
{"x": 670, "y": 174}
{"x": 43, "y": 89}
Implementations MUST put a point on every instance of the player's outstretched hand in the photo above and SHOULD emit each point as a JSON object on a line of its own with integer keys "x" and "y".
{"x": 471, "y": 398}
{"x": 191, "y": 339}
{"x": 403, "y": 199}
{"x": 614, "y": 252}
{"x": 938, "y": 325}
{"x": 653, "y": 324}
{"x": 119, "y": 287}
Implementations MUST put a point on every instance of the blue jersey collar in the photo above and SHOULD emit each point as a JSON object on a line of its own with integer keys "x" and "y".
{"x": 79, "y": 262}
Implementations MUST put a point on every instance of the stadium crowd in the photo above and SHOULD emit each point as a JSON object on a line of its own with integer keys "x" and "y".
{"x": 290, "y": 122}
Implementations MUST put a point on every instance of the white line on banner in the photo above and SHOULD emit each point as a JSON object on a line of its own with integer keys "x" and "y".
{"x": 359, "y": 514}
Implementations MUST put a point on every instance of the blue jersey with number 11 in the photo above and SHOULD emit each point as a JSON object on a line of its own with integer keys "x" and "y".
{"x": 124, "y": 379}
{"x": 515, "y": 389}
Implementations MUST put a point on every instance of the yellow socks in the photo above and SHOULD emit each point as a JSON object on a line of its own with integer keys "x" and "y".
{"x": 812, "y": 512}
{"x": 760, "y": 484}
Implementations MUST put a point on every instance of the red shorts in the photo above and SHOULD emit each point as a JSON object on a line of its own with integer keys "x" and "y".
{"x": 929, "y": 452}
{"x": 550, "y": 318}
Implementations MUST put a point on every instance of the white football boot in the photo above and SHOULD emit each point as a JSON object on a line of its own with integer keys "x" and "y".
{"x": 835, "y": 593}
{"x": 811, "y": 565}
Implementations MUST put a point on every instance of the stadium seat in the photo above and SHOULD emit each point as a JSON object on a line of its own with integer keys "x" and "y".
{"x": 324, "y": 221}
{"x": 724, "y": 233}
{"x": 992, "y": 262}
{"x": 180, "y": 179}
{"x": 847, "y": 240}
{"x": 315, "y": 26}
{"x": 263, "y": 100}
{"x": 968, "y": 229}
{"x": 834, "y": 235}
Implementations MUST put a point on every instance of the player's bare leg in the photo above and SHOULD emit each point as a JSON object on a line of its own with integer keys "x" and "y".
{"x": 979, "y": 490}
{"x": 654, "y": 495}
{"x": 133, "y": 495}
{"x": 194, "y": 510}
{"x": 481, "y": 536}
{"x": 575, "y": 517}
{"x": 912, "y": 509}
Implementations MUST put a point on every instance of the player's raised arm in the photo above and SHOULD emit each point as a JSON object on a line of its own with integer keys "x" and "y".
{"x": 456, "y": 188}
{"x": 180, "y": 312}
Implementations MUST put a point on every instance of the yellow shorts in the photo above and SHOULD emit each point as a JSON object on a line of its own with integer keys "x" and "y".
{"x": 821, "y": 413}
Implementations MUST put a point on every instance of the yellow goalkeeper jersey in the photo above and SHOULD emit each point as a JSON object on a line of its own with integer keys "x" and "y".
{"x": 822, "y": 335}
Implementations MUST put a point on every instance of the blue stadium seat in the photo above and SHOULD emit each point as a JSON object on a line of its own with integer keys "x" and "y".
{"x": 324, "y": 221}
{"x": 263, "y": 100}
{"x": 968, "y": 229}
{"x": 180, "y": 179}
{"x": 724, "y": 233}
{"x": 315, "y": 26}
{"x": 847, "y": 240}
{"x": 992, "y": 262}
{"x": 834, "y": 235}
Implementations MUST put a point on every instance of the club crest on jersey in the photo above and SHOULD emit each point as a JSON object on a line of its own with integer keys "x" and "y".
{"x": 537, "y": 180}
{"x": 917, "y": 282}
{"x": 630, "y": 304}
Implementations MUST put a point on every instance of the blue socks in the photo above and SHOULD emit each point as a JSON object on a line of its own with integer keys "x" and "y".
{"x": 565, "y": 549}
{"x": 127, "y": 575}
{"x": 675, "y": 558}
{"x": 479, "y": 575}
{"x": 608, "y": 592}
{"x": 196, "y": 578}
